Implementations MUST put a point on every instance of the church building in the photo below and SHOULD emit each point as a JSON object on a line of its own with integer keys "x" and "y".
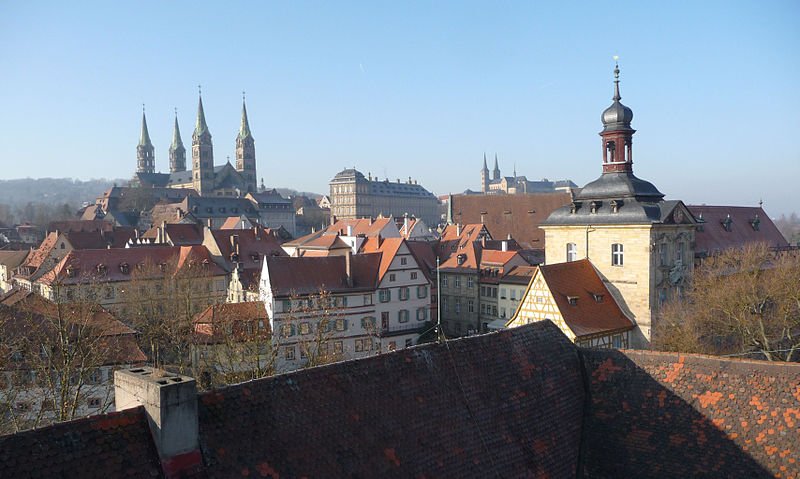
{"x": 204, "y": 177}
{"x": 641, "y": 245}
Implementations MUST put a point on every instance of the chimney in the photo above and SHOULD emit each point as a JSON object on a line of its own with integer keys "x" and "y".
{"x": 504, "y": 245}
{"x": 458, "y": 229}
{"x": 333, "y": 219}
{"x": 347, "y": 268}
{"x": 170, "y": 402}
{"x": 235, "y": 244}
{"x": 349, "y": 230}
{"x": 405, "y": 224}
{"x": 210, "y": 223}
{"x": 483, "y": 241}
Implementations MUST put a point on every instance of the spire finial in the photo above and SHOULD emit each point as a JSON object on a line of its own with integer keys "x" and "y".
{"x": 176, "y": 112}
{"x": 142, "y": 108}
{"x": 617, "y": 96}
{"x": 199, "y": 89}
{"x": 243, "y": 95}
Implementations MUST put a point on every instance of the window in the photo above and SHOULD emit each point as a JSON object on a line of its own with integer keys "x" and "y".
{"x": 384, "y": 295}
{"x": 502, "y": 312}
{"x": 457, "y": 281}
{"x": 413, "y": 275}
{"x": 94, "y": 403}
{"x": 446, "y": 303}
{"x": 286, "y": 330}
{"x": 368, "y": 323}
{"x": 392, "y": 277}
{"x": 494, "y": 310}
{"x": 341, "y": 324}
{"x": 513, "y": 294}
{"x": 617, "y": 341}
{"x": 502, "y": 293}
{"x": 662, "y": 254}
{"x": 444, "y": 280}
{"x": 470, "y": 282}
{"x": 367, "y": 299}
{"x": 458, "y": 305}
{"x": 494, "y": 292}
{"x": 402, "y": 316}
{"x": 95, "y": 376}
{"x": 679, "y": 253}
{"x": 409, "y": 343}
{"x": 483, "y": 308}
{"x": 616, "y": 254}
{"x": 422, "y": 291}
{"x": 404, "y": 294}
{"x": 288, "y": 353}
{"x": 403, "y": 261}
{"x": 470, "y": 306}
{"x": 422, "y": 314}
{"x": 572, "y": 252}
{"x": 305, "y": 328}
{"x": 392, "y": 345}
{"x": 338, "y": 347}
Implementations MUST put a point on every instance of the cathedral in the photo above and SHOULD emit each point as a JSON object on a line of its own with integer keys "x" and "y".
{"x": 204, "y": 177}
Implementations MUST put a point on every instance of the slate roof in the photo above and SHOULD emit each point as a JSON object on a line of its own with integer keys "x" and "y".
{"x": 588, "y": 316}
{"x": 516, "y": 215}
{"x": 115, "y": 445}
{"x": 408, "y": 414}
{"x": 711, "y": 236}
{"x": 310, "y": 275}
{"x": 254, "y": 245}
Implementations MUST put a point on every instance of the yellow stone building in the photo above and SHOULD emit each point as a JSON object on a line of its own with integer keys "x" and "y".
{"x": 641, "y": 245}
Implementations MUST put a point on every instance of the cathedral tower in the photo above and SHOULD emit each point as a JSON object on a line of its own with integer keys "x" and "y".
{"x": 246, "y": 152}
{"x": 145, "y": 153}
{"x": 484, "y": 176}
{"x": 177, "y": 153}
{"x": 202, "y": 155}
{"x": 496, "y": 172}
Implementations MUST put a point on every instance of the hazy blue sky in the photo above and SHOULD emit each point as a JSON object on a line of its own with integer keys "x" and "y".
{"x": 417, "y": 89}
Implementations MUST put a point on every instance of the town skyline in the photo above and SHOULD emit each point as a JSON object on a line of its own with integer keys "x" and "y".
{"x": 421, "y": 93}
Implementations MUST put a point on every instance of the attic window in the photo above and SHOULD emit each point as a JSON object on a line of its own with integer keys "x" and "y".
{"x": 461, "y": 258}
{"x": 573, "y": 300}
{"x": 727, "y": 222}
{"x": 162, "y": 267}
{"x": 101, "y": 269}
{"x": 598, "y": 298}
{"x": 615, "y": 205}
{"x": 234, "y": 210}
{"x": 72, "y": 271}
{"x": 221, "y": 209}
{"x": 254, "y": 257}
{"x": 755, "y": 223}
{"x": 124, "y": 268}
{"x": 593, "y": 206}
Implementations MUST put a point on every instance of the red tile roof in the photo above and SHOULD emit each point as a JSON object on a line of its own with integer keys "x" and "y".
{"x": 515, "y": 215}
{"x": 511, "y": 409}
{"x": 179, "y": 234}
{"x": 365, "y": 226}
{"x": 40, "y": 254}
{"x": 217, "y": 320}
{"x": 254, "y": 245}
{"x": 520, "y": 274}
{"x": 711, "y": 236}
{"x": 388, "y": 247}
{"x": 303, "y": 276}
{"x": 588, "y": 315}
{"x": 673, "y": 415}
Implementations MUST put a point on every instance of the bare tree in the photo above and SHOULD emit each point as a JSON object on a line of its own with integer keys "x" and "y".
{"x": 742, "y": 302}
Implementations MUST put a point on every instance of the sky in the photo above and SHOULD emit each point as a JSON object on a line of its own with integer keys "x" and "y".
{"x": 420, "y": 89}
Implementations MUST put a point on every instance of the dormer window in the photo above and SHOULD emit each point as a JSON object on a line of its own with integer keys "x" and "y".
{"x": 72, "y": 271}
{"x": 124, "y": 268}
{"x": 598, "y": 298}
{"x": 593, "y": 206}
{"x": 727, "y": 222}
{"x": 461, "y": 258}
{"x": 615, "y": 205}
{"x": 101, "y": 269}
{"x": 574, "y": 207}
{"x": 755, "y": 223}
{"x": 573, "y": 300}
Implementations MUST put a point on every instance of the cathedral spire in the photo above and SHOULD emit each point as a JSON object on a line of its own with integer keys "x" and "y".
{"x": 177, "y": 152}
{"x": 485, "y": 168}
{"x": 145, "y": 153}
{"x": 144, "y": 138}
{"x": 244, "y": 129}
{"x": 496, "y": 172}
{"x": 201, "y": 126}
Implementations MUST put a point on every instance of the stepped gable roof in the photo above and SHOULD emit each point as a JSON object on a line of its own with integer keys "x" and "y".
{"x": 748, "y": 225}
{"x": 117, "y": 445}
{"x": 517, "y": 215}
{"x": 686, "y": 415}
{"x": 504, "y": 423}
{"x": 254, "y": 245}
{"x": 310, "y": 275}
{"x": 594, "y": 310}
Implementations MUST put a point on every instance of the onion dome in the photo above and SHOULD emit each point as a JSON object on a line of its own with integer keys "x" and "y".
{"x": 617, "y": 116}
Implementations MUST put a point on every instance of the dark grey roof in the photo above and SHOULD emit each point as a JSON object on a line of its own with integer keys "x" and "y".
{"x": 630, "y": 212}
{"x": 619, "y": 185}
{"x": 397, "y": 189}
{"x": 348, "y": 174}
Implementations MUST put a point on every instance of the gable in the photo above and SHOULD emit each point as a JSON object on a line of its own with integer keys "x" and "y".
{"x": 538, "y": 304}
